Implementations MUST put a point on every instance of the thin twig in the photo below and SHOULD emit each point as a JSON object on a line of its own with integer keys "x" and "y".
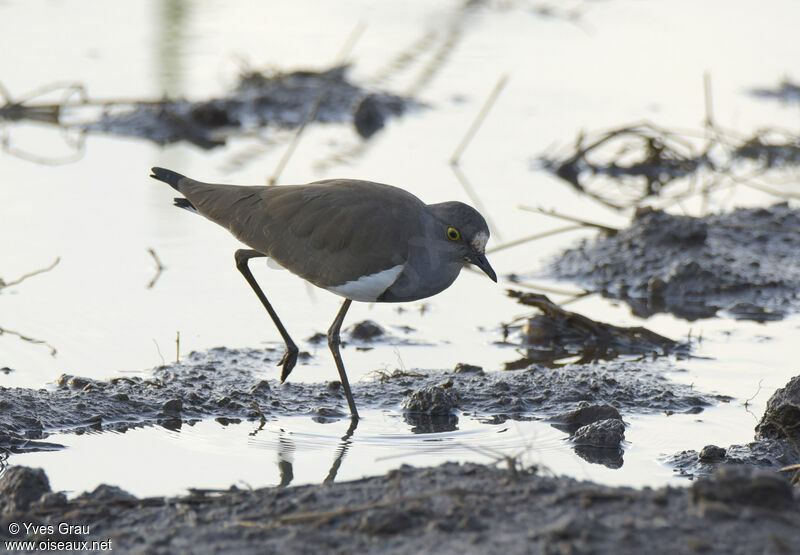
{"x": 747, "y": 401}
{"x": 31, "y": 274}
{"x": 440, "y": 55}
{"x": 792, "y": 467}
{"x": 79, "y": 148}
{"x": 6, "y": 94}
{"x": 351, "y": 41}
{"x": 296, "y": 139}
{"x": 465, "y": 184}
{"x": 159, "y": 268}
{"x": 534, "y": 237}
{"x": 33, "y": 340}
{"x": 548, "y": 289}
{"x": 261, "y": 417}
{"x": 454, "y": 159}
{"x": 708, "y": 100}
{"x": 405, "y": 58}
{"x": 159, "y": 265}
{"x": 580, "y": 221}
{"x": 158, "y": 349}
{"x": 576, "y": 297}
{"x": 346, "y": 49}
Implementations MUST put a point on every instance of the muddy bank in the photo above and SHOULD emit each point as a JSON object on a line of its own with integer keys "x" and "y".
{"x": 763, "y": 453}
{"x": 229, "y": 384}
{"x": 460, "y": 508}
{"x": 776, "y": 445}
{"x": 695, "y": 267}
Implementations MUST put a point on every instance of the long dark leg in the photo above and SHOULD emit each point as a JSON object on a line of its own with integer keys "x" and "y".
{"x": 290, "y": 356}
{"x": 341, "y": 451}
{"x": 333, "y": 343}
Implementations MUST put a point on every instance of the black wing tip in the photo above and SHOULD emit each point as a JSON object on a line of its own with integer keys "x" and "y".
{"x": 169, "y": 177}
{"x": 185, "y": 204}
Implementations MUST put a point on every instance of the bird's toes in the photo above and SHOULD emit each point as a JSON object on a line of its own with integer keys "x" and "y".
{"x": 288, "y": 362}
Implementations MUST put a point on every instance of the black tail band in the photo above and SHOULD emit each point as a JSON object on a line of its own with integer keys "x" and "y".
{"x": 169, "y": 177}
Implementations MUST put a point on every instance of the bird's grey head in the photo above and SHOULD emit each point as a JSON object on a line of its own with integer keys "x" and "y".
{"x": 466, "y": 232}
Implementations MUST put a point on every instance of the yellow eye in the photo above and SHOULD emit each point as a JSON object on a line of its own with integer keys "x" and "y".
{"x": 453, "y": 234}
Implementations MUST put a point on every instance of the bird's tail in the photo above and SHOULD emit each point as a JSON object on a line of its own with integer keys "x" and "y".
{"x": 172, "y": 179}
{"x": 169, "y": 177}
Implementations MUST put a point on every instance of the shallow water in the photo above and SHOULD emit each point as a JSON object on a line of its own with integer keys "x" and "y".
{"x": 297, "y": 450}
{"x": 618, "y": 62}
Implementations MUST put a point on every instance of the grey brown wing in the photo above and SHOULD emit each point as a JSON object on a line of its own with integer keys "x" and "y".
{"x": 330, "y": 233}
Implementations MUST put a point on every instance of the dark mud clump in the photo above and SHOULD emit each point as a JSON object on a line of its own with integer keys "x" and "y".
{"x": 608, "y": 434}
{"x": 431, "y": 409}
{"x": 584, "y": 415}
{"x": 776, "y": 445}
{"x": 556, "y": 334}
{"x": 366, "y": 331}
{"x": 229, "y": 384}
{"x": 781, "y": 418}
{"x": 20, "y": 487}
{"x": 601, "y": 442}
{"x": 461, "y": 508}
{"x": 434, "y": 400}
{"x": 596, "y": 433}
{"x": 695, "y": 267}
{"x": 767, "y": 454}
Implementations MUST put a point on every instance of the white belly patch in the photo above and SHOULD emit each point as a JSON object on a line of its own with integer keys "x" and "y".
{"x": 368, "y": 288}
{"x": 273, "y": 264}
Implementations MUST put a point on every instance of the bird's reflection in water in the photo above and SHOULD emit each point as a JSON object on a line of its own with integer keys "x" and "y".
{"x": 286, "y": 449}
{"x": 420, "y": 424}
{"x": 341, "y": 451}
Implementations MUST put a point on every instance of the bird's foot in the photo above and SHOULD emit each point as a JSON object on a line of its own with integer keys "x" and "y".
{"x": 288, "y": 361}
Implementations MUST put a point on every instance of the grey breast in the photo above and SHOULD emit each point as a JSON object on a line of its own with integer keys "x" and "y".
{"x": 432, "y": 266}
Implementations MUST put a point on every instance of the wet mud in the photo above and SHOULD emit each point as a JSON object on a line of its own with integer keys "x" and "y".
{"x": 695, "y": 268}
{"x": 228, "y": 384}
{"x": 776, "y": 445}
{"x": 460, "y": 508}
